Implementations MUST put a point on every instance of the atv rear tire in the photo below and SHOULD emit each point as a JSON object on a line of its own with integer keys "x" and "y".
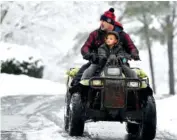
{"x": 147, "y": 129}
{"x": 76, "y": 122}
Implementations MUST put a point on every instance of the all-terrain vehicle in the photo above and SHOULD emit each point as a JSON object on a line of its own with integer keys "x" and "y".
{"x": 112, "y": 96}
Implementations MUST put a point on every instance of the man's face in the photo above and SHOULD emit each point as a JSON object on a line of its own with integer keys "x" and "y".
{"x": 105, "y": 26}
{"x": 111, "y": 40}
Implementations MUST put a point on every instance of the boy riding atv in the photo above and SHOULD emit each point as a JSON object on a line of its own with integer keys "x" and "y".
{"x": 112, "y": 94}
{"x": 111, "y": 46}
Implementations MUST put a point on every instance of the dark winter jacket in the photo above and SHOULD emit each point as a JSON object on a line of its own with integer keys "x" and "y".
{"x": 104, "y": 51}
{"x": 97, "y": 38}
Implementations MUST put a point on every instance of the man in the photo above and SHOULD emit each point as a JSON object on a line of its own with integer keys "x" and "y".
{"x": 97, "y": 38}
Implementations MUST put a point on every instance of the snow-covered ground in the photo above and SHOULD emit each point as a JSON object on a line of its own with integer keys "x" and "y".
{"x": 167, "y": 114}
{"x": 33, "y": 109}
{"x": 23, "y": 85}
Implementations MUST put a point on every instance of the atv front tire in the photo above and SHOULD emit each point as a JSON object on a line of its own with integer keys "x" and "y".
{"x": 76, "y": 122}
{"x": 132, "y": 128}
{"x": 147, "y": 129}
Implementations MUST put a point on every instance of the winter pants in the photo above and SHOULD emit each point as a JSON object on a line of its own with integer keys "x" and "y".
{"x": 90, "y": 71}
{"x": 78, "y": 76}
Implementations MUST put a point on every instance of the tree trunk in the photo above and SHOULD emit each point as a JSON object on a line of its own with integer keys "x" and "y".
{"x": 3, "y": 14}
{"x": 170, "y": 56}
{"x": 148, "y": 43}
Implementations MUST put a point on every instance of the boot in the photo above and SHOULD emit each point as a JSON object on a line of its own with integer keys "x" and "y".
{"x": 74, "y": 82}
{"x": 75, "y": 87}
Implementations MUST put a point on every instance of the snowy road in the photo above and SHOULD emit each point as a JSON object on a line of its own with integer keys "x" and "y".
{"x": 41, "y": 118}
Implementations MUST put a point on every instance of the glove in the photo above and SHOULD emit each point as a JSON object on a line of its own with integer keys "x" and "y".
{"x": 87, "y": 56}
{"x": 102, "y": 61}
{"x": 135, "y": 55}
{"x": 93, "y": 57}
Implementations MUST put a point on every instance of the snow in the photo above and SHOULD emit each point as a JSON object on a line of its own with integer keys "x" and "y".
{"x": 160, "y": 63}
{"x": 24, "y": 85}
{"x": 51, "y": 27}
{"x": 12, "y": 121}
{"x": 167, "y": 114}
{"x": 37, "y": 126}
{"x": 18, "y": 52}
{"x": 49, "y": 34}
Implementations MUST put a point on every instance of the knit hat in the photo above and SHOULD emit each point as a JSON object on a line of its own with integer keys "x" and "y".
{"x": 113, "y": 33}
{"x": 108, "y": 16}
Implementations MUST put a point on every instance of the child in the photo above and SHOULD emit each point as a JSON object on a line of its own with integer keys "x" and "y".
{"x": 111, "y": 45}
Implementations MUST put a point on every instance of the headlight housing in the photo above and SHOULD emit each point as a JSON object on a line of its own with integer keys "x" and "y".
{"x": 133, "y": 84}
{"x": 96, "y": 82}
{"x": 113, "y": 71}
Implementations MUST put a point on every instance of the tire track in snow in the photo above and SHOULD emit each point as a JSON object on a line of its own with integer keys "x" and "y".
{"x": 9, "y": 135}
{"x": 45, "y": 121}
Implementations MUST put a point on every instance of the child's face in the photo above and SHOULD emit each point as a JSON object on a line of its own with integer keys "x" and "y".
{"x": 111, "y": 40}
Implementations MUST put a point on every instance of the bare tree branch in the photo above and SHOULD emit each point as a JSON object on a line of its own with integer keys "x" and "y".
{"x": 3, "y": 15}
{"x": 175, "y": 34}
{"x": 128, "y": 21}
{"x": 122, "y": 16}
{"x": 173, "y": 12}
{"x": 20, "y": 6}
{"x": 141, "y": 20}
{"x": 175, "y": 7}
{"x": 4, "y": 11}
{"x": 161, "y": 24}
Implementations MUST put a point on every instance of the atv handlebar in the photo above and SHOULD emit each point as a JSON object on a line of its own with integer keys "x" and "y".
{"x": 125, "y": 55}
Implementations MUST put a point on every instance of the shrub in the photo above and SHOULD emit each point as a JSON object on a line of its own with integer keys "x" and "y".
{"x": 33, "y": 68}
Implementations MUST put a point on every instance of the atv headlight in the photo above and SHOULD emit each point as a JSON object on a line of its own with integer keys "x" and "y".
{"x": 113, "y": 71}
{"x": 96, "y": 83}
{"x": 133, "y": 84}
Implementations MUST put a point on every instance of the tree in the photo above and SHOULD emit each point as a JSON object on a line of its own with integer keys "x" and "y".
{"x": 168, "y": 32}
{"x": 142, "y": 11}
{"x": 3, "y": 14}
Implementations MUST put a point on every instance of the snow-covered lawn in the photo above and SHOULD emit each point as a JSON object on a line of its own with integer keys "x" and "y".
{"x": 167, "y": 114}
{"x": 24, "y": 85}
